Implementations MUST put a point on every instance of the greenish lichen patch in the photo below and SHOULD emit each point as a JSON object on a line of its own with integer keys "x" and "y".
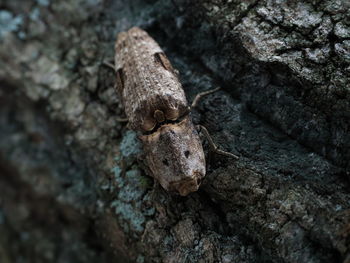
{"x": 133, "y": 188}
{"x": 43, "y": 2}
{"x": 131, "y": 204}
{"x": 9, "y": 22}
{"x": 129, "y": 214}
{"x": 117, "y": 175}
{"x": 140, "y": 259}
{"x": 35, "y": 14}
{"x": 130, "y": 145}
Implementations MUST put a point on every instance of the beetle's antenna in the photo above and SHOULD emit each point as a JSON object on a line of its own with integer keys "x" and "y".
{"x": 201, "y": 95}
{"x": 108, "y": 64}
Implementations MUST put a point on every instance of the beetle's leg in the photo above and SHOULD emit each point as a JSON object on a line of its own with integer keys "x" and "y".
{"x": 201, "y": 95}
{"x": 108, "y": 64}
{"x": 111, "y": 66}
{"x": 118, "y": 119}
{"x": 213, "y": 146}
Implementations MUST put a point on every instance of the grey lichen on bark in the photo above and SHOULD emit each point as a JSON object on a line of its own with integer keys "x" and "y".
{"x": 71, "y": 185}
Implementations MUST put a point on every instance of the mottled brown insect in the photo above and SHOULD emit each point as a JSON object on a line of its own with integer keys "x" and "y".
{"x": 156, "y": 107}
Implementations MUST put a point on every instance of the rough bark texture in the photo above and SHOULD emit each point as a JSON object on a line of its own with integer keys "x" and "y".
{"x": 71, "y": 189}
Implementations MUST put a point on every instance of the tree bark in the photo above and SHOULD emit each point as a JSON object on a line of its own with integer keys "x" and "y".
{"x": 71, "y": 186}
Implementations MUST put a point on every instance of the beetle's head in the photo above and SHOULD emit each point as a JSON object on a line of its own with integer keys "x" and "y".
{"x": 175, "y": 156}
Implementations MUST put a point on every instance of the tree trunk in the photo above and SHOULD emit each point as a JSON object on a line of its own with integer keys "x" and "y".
{"x": 72, "y": 188}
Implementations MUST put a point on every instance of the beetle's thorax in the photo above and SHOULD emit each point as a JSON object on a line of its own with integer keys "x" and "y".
{"x": 175, "y": 156}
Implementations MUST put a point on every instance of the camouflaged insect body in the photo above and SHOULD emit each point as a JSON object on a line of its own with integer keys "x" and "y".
{"x": 156, "y": 107}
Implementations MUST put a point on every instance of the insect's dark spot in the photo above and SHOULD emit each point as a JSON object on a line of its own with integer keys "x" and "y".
{"x": 187, "y": 153}
{"x": 138, "y": 37}
{"x": 122, "y": 44}
{"x": 163, "y": 60}
{"x": 165, "y": 161}
{"x": 66, "y": 185}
